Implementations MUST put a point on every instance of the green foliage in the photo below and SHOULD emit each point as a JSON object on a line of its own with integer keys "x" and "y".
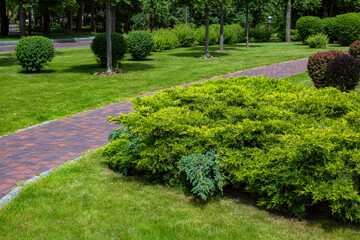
{"x": 319, "y": 40}
{"x": 98, "y": 46}
{"x": 290, "y": 146}
{"x": 355, "y": 49}
{"x": 308, "y": 26}
{"x": 234, "y": 33}
{"x": 348, "y": 28}
{"x": 165, "y": 39}
{"x": 185, "y": 35}
{"x": 293, "y": 34}
{"x": 33, "y": 53}
{"x": 140, "y": 44}
{"x": 203, "y": 172}
{"x": 330, "y": 28}
{"x": 214, "y": 34}
{"x": 261, "y": 33}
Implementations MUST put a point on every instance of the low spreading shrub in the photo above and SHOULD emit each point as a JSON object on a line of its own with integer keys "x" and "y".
{"x": 118, "y": 43}
{"x": 140, "y": 44}
{"x": 293, "y": 35}
{"x": 330, "y": 28}
{"x": 317, "y": 67}
{"x": 33, "y": 53}
{"x": 165, "y": 39}
{"x": 214, "y": 34}
{"x": 261, "y": 33}
{"x": 234, "y": 33}
{"x": 319, "y": 40}
{"x": 348, "y": 28}
{"x": 308, "y": 26}
{"x": 291, "y": 146}
{"x": 344, "y": 72}
{"x": 185, "y": 34}
{"x": 355, "y": 49}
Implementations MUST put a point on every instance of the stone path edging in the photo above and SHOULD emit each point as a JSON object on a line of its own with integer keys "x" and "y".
{"x": 33, "y": 152}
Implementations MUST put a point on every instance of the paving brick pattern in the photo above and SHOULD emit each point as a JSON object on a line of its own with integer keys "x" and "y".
{"x": 7, "y": 49}
{"x": 27, "y": 153}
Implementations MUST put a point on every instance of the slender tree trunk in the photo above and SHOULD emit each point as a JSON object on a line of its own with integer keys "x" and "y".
{"x": 221, "y": 40}
{"x": 4, "y": 19}
{"x": 247, "y": 26}
{"x": 30, "y": 23}
{"x": 127, "y": 25}
{"x": 21, "y": 19}
{"x": 113, "y": 19}
{"x": 207, "y": 11}
{"x": 70, "y": 21}
{"x": 93, "y": 21}
{"x": 288, "y": 21}
{"x": 108, "y": 36}
{"x": 46, "y": 17}
{"x": 79, "y": 18}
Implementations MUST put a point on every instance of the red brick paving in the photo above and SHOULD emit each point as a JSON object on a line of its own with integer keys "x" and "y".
{"x": 35, "y": 150}
{"x": 5, "y": 49}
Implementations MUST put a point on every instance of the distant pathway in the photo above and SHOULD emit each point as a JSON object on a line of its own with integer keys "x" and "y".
{"x": 32, "y": 151}
{"x": 7, "y": 49}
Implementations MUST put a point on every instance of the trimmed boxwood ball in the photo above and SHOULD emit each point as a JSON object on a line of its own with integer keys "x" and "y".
{"x": 355, "y": 49}
{"x": 140, "y": 44}
{"x": 308, "y": 26}
{"x": 344, "y": 72}
{"x": 347, "y": 28}
{"x": 33, "y": 53}
{"x": 98, "y": 46}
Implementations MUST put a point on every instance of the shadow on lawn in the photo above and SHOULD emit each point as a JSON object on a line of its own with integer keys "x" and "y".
{"x": 94, "y": 68}
{"x": 198, "y": 54}
{"x": 7, "y": 60}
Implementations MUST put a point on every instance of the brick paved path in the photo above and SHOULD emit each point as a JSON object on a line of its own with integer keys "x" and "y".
{"x": 27, "y": 153}
{"x": 6, "y": 49}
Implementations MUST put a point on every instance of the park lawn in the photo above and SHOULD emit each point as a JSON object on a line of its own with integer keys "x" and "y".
{"x": 85, "y": 200}
{"x": 52, "y": 36}
{"x": 67, "y": 85}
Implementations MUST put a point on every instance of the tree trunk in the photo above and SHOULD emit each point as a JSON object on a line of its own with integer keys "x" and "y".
{"x": 93, "y": 21}
{"x": 108, "y": 37}
{"x": 46, "y": 17}
{"x": 30, "y": 23}
{"x": 288, "y": 21}
{"x": 79, "y": 18}
{"x": 4, "y": 19}
{"x": 221, "y": 40}
{"x": 113, "y": 19}
{"x": 247, "y": 26}
{"x": 21, "y": 19}
{"x": 70, "y": 21}
{"x": 207, "y": 11}
{"x": 127, "y": 25}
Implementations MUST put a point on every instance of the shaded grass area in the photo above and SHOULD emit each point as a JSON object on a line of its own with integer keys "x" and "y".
{"x": 52, "y": 36}
{"x": 67, "y": 85}
{"x": 85, "y": 200}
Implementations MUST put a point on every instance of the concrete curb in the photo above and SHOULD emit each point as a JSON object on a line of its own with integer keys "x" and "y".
{"x": 65, "y": 40}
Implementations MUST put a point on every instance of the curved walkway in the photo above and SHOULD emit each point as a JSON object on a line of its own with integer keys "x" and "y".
{"x": 29, "y": 152}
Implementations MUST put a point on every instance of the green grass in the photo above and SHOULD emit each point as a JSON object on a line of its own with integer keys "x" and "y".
{"x": 67, "y": 85}
{"x": 85, "y": 200}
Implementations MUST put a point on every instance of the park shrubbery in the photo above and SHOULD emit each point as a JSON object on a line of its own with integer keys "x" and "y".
{"x": 330, "y": 28}
{"x": 308, "y": 26}
{"x": 185, "y": 35}
{"x": 347, "y": 28}
{"x": 234, "y": 33}
{"x": 319, "y": 40}
{"x": 355, "y": 49}
{"x": 165, "y": 39}
{"x": 98, "y": 46}
{"x": 33, "y": 53}
{"x": 293, "y": 34}
{"x": 140, "y": 44}
{"x": 214, "y": 34}
{"x": 261, "y": 33}
{"x": 291, "y": 146}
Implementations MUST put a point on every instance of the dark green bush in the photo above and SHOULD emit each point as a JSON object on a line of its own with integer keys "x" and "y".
{"x": 308, "y": 26}
{"x": 118, "y": 43}
{"x": 234, "y": 33}
{"x": 293, "y": 34}
{"x": 318, "y": 65}
{"x": 344, "y": 72}
{"x": 292, "y": 146}
{"x": 355, "y": 49}
{"x": 214, "y": 34}
{"x": 348, "y": 28}
{"x": 261, "y": 33}
{"x": 330, "y": 28}
{"x": 140, "y": 44}
{"x": 165, "y": 39}
{"x": 319, "y": 40}
{"x": 185, "y": 34}
{"x": 33, "y": 53}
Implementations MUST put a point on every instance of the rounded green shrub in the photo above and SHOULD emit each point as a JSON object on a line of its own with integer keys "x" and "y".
{"x": 318, "y": 65}
{"x": 348, "y": 28}
{"x": 291, "y": 146}
{"x": 261, "y": 33}
{"x": 355, "y": 49}
{"x": 185, "y": 35}
{"x": 344, "y": 72}
{"x": 98, "y": 46}
{"x": 319, "y": 40}
{"x": 214, "y": 34}
{"x": 308, "y": 26}
{"x": 140, "y": 44}
{"x": 233, "y": 33}
{"x": 165, "y": 39}
{"x": 33, "y": 53}
{"x": 330, "y": 28}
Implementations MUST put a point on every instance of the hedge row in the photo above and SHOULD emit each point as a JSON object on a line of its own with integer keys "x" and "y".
{"x": 291, "y": 146}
